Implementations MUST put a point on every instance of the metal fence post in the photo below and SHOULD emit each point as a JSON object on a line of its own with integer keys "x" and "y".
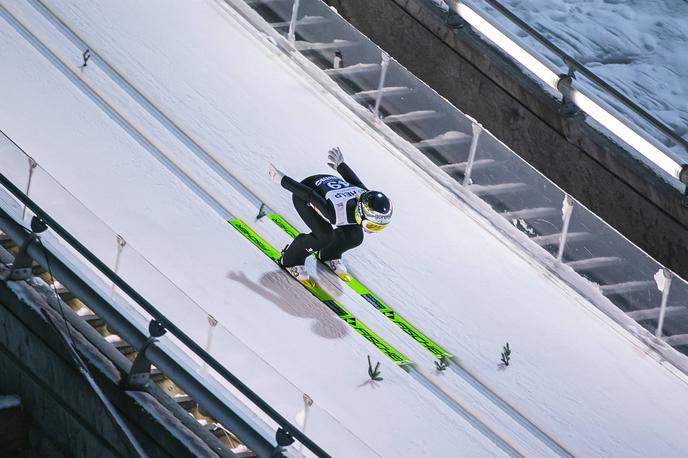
{"x": 212, "y": 322}
{"x": 307, "y": 403}
{"x": 477, "y": 129}
{"x": 292, "y": 24}
{"x": 566, "y": 211}
{"x": 121, "y": 243}
{"x": 32, "y": 165}
{"x": 383, "y": 74}
{"x": 663, "y": 278}
{"x": 568, "y": 107}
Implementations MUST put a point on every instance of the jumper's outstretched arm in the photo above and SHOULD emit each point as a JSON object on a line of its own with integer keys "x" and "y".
{"x": 345, "y": 171}
{"x": 335, "y": 159}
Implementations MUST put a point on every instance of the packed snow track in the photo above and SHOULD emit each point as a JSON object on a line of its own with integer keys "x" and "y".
{"x": 166, "y": 135}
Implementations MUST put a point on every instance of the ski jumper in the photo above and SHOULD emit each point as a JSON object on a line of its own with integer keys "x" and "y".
{"x": 324, "y": 201}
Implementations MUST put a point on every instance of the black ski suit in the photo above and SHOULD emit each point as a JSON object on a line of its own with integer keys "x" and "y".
{"x": 320, "y": 215}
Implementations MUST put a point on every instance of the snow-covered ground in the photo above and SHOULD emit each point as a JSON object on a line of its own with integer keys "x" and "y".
{"x": 638, "y": 46}
{"x": 207, "y": 84}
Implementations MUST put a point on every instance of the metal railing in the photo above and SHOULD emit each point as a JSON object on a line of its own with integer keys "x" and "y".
{"x": 628, "y": 130}
{"x": 580, "y": 68}
{"x": 20, "y": 206}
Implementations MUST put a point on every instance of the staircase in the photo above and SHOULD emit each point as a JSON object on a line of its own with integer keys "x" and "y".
{"x": 9, "y": 250}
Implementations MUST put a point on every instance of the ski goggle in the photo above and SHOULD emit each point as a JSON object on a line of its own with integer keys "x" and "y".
{"x": 371, "y": 227}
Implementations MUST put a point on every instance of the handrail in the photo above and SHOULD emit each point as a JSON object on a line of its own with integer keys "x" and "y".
{"x": 154, "y": 352}
{"x": 151, "y": 310}
{"x": 577, "y": 66}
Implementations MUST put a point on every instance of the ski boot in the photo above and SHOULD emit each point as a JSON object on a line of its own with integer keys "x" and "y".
{"x": 339, "y": 269}
{"x": 298, "y": 272}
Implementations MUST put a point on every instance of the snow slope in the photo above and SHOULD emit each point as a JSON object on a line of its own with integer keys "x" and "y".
{"x": 638, "y": 46}
{"x": 208, "y": 85}
{"x": 284, "y": 320}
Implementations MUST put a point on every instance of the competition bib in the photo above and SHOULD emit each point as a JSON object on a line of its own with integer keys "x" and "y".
{"x": 339, "y": 192}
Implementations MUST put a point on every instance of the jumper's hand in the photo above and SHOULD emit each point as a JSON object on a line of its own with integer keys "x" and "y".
{"x": 275, "y": 174}
{"x": 335, "y": 157}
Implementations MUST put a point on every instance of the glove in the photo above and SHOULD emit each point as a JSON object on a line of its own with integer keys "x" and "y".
{"x": 275, "y": 174}
{"x": 335, "y": 157}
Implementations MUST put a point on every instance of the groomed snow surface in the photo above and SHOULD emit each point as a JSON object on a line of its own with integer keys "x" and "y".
{"x": 194, "y": 79}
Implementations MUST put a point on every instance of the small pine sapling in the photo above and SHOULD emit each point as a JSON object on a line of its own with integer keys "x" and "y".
{"x": 374, "y": 373}
{"x": 441, "y": 364}
{"x": 506, "y": 354}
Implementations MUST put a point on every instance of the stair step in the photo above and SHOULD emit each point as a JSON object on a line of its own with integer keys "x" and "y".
{"x": 594, "y": 263}
{"x": 120, "y": 344}
{"x": 215, "y": 429}
{"x": 94, "y": 320}
{"x": 306, "y": 20}
{"x": 627, "y": 287}
{"x": 446, "y": 139}
{"x": 496, "y": 189}
{"x": 529, "y": 213}
{"x": 386, "y": 92}
{"x": 461, "y": 166}
{"x": 412, "y": 116}
{"x": 353, "y": 69}
{"x": 156, "y": 375}
{"x": 653, "y": 313}
{"x": 38, "y": 269}
{"x": 336, "y": 44}
{"x": 553, "y": 239}
{"x": 677, "y": 340}
{"x": 65, "y": 294}
{"x": 185, "y": 401}
{"x": 254, "y": 3}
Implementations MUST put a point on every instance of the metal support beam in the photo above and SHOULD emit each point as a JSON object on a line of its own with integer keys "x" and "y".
{"x": 140, "y": 373}
{"x": 663, "y": 279}
{"x": 477, "y": 130}
{"x": 384, "y": 63}
{"x": 567, "y": 210}
{"x": 21, "y": 267}
{"x": 32, "y": 165}
{"x": 212, "y": 322}
{"x": 568, "y": 108}
{"x": 291, "y": 35}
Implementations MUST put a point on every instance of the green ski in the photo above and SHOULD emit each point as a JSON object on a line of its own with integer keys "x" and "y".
{"x": 375, "y": 301}
{"x": 324, "y": 297}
